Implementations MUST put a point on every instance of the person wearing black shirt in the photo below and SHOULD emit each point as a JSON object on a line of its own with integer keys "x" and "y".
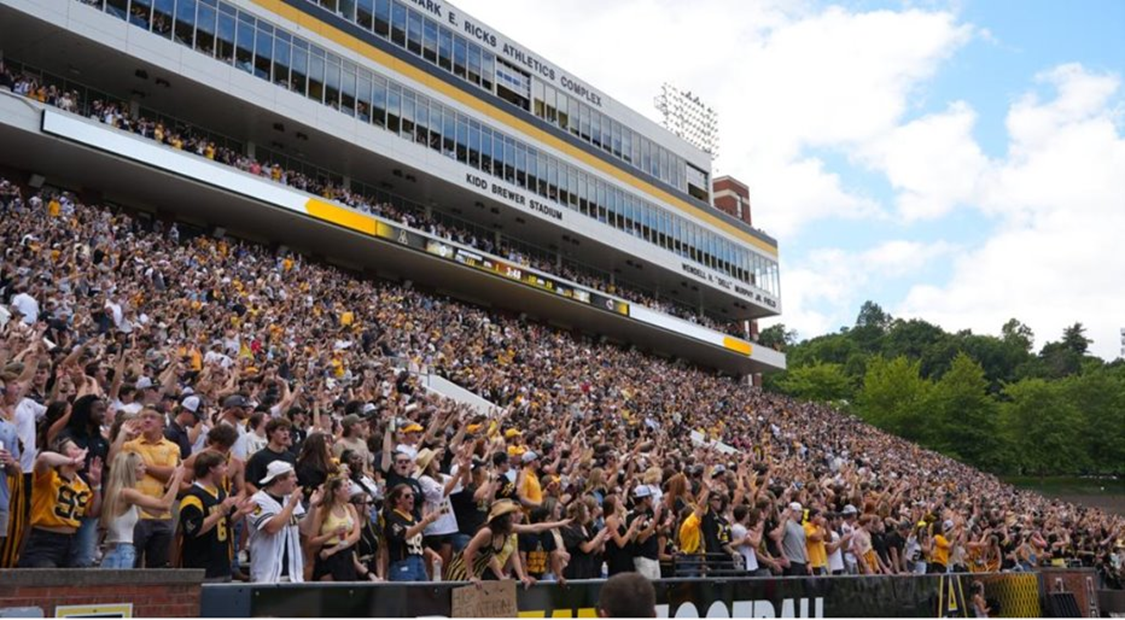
{"x": 84, "y": 428}
{"x": 646, "y": 545}
{"x": 471, "y": 513}
{"x": 716, "y": 528}
{"x": 583, "y": 545}
{"x": 179, "y": 431}
{"x": 280, "y": 439}
{"x": 205, "y": 513}
{"x": 619, "y": 546}
{"x": 505, "y": 486}
{"x": 399, "y": 473}
{"x": 403, "y": 535}
{"x": 370, "y": 544}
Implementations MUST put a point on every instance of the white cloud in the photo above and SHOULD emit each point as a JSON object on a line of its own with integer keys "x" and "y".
{"x": 933, "y": 162}
{"x": 1059, "y": 198}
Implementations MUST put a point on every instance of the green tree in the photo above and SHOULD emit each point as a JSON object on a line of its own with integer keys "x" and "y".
{"x": 1017, "y": 334}
{"x": 963, "y": 414}
{"x": 777, "y": 337}
{"x": 818, "y": 381}
{"x": 870, "y": 327}
{"x": 1042, "y": 428}
{"x": 894, "y": 396}
{"x": 1100, "y": 397}
{"x": 1074, "y": 339}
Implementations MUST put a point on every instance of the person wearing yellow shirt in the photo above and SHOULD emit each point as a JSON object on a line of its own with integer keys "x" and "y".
{"x": 816, "y": 533}
{"x": 690, "y": 535}
{"x": 942, "y": 543}
{"x": 153, "y": 534}
{"x": 530, "y": 492}
{"x": 59, "y": 500}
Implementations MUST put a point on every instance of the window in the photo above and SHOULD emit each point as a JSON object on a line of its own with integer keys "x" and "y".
{"x": 383, "y": 17}
{"x": 281, "y": 55}
{"x": 398, "y": 24}
{"x": 316, "y": 74}
{"x": 300, "y": 66}
{"x": 407, "y": 129}
{"x": 162, "y": 18}
{"x": 564, "y": 111}
{"x": 627, "y": 145}
{"x": 474, "y": 63}
{"x": 346, "y": 8}
{"x": 363, "y": 96}
{"x": 474, "y": 144}
{"x": 185, "y": 22}
{"x": 263, "y": 51}
{"x": 119, "y": 9}
{"x": 244, "y": 44}
{"x": 205, "y": 27}
{"x": 332, "y": 82}
{"x": 459, "y": 54}
{"x": 435, "y": 126}
{"x": 347, "y": 88}
{"x": 394, "y": 105}
{"x": 414, "y": 32}
{"x": 487, "y": 70}
{"x": 365, "y": 14}
{"x": 596, "y": 129}
{"x": 449, "y": 132}
{"x": 379, "y": 101}
{"x": 486, "y": 150}
{"x": 445, "y": 49}
{"x": 521, "y": 165}
{"x": 226, "y": 33}
{"x": 462, "y": 139}
{"x": 429, "y": 40}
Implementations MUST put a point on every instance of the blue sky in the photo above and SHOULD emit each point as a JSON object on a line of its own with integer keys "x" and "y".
{"x": 961, "y": 162}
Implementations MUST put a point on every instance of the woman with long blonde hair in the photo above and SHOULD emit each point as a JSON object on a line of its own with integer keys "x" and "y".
{"x": 123, "y": 503}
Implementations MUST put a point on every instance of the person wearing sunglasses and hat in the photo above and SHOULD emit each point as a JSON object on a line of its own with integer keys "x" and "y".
{"x": 480, "y": 559}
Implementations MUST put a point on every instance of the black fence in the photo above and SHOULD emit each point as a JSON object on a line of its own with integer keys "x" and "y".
{"x": 1014, "y": 594}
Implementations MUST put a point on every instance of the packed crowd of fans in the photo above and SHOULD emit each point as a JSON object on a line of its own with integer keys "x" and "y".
{"x": 187, "y": 139}
{"x": 170, "y": 399}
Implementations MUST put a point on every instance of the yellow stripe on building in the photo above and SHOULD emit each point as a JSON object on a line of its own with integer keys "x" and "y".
{"x": 341, "y": 216}
{"x": 379, "y": 57}
{"x": 741, "y": 346}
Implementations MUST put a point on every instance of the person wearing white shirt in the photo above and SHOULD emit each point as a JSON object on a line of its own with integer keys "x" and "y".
{"x": 28, "y": 306}
{"x": 275, "y": 522}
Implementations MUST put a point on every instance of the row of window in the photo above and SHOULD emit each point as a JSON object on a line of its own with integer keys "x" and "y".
{"x": 434, "y": 42}
{"x": 222, "y": 31}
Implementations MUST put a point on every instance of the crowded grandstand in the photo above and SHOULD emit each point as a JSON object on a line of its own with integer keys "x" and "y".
{"x": 179, "y": 395}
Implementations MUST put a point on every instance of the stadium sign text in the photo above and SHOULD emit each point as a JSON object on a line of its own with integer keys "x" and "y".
{"x": 729, "y": 285}
{"x": 512, "y": 196}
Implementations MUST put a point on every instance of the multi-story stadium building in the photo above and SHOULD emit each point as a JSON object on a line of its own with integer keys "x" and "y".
{"x": 552, "y": 183}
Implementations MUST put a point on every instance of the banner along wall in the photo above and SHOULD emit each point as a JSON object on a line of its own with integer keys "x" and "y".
{"x": 882, "y": 596}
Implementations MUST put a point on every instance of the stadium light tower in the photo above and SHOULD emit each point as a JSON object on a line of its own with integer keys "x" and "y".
{"x": 689, "y": 118}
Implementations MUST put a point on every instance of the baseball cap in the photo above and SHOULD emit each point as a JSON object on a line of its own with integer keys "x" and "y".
{"x": 411, "y": 427}
{"x": 235, "y": 400}
{"x": 642, "y": 491}
{"x": 850, "y": 510}
{"x": 948, "y": 525}
{"x": 795, "y": 506}
{"x": 144, "y": 383}
{"x": 529, "y": 456}
{"x": 191, "y": 403}
{"x": 351, "y": 420}
{"x": 511, "y": 432}
{"x": 275, "y": 469}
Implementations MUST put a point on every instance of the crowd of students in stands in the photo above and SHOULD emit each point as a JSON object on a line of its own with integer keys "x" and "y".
{"x": 178, "y": 400}
{"x": 185, "y": 138}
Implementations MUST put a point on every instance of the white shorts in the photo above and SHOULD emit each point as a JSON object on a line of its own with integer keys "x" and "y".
{"x": 648, "y": 567}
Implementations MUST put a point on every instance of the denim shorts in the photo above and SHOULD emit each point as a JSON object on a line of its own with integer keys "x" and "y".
{"x": 122, "y": 556}
{"x": 410, "y": 569}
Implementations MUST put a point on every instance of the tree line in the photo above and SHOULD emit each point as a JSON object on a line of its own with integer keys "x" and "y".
{"x": 990, "y": 401}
